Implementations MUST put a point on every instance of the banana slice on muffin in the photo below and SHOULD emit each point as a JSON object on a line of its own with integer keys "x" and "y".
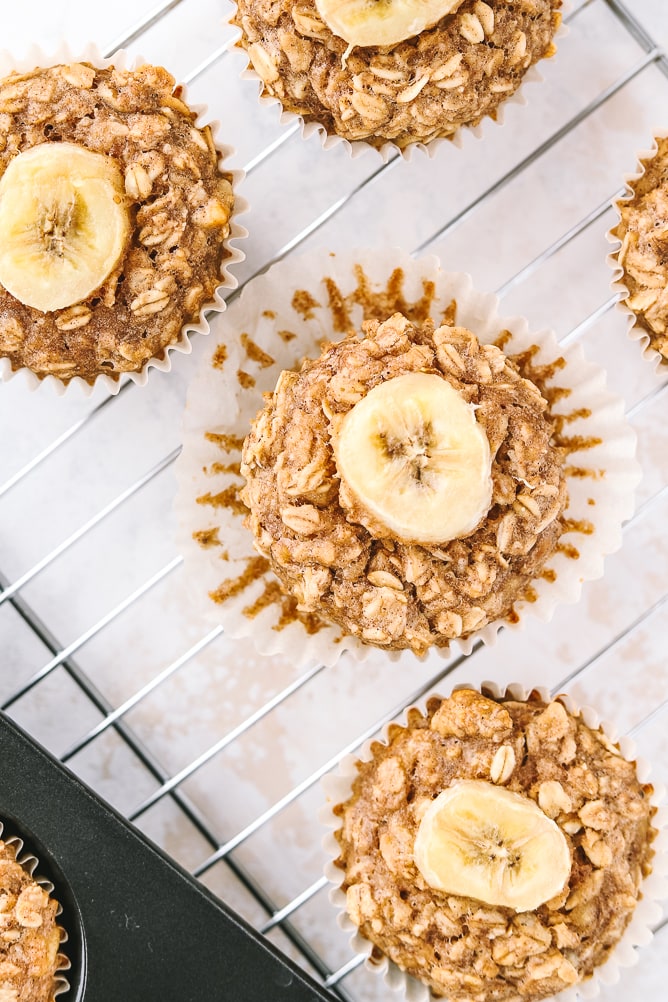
{"x": 382, "y": 22}
{"x": 64, "y": 224}
{"x": 413, "y": 454}
{"x": 482, "y": 841}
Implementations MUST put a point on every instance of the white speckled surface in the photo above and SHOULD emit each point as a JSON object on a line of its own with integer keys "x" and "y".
{"x": 614, "y": 638}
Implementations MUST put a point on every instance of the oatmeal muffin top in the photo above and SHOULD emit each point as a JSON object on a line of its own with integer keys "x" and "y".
{"x": 643, "y": 231}
{"x": 545, "y": 763}
{"x": 29, "y": 936}
{"x": 454, "y": 72}
{"x": 125, "y": 211}
{"x": 352, "y": 532}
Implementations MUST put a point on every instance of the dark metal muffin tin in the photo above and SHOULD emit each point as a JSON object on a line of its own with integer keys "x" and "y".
{"x": 140, "y": 927}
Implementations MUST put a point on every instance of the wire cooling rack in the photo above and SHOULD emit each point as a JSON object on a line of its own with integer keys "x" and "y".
{"x": 214, "y": 752}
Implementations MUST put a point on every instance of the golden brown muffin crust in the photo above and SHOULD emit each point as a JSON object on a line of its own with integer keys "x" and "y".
{"x": 180, "y": 207}
{"x": 460, "y": 947}
{"x": 401, "y": 595}
{"x": 452, "y": 74}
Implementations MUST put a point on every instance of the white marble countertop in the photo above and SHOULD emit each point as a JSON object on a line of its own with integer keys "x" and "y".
{"x": 113, "y": 602}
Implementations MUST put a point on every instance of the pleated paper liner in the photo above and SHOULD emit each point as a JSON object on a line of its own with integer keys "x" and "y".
{"x": 636, "y": 330}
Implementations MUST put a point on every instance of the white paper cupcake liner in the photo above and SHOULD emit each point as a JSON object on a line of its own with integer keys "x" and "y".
{"x": 338, "y": 788}
{"x": 356, "y": 148}
{"x": 29, "y": 862}
{"x": 91, "y": 53}
{"x": 601, "y": 481}
{"x": 635, "y": 331}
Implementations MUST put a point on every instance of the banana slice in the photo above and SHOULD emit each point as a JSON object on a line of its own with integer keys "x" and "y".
{"x": 415, "y": 459}
{"x": 482, "y": 841}
{"x": 382, "y": 22}
{"x": 63, "y": 224}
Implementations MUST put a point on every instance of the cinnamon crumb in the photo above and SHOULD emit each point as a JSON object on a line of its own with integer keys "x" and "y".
{"x": 304, "y": 304}
{"x": 226, "y": 468}
{"x": 207, "y": 538}
{"x": 228, "y": 443}
{"x": 450, "y": 313}
{"x": 228, "y": 498}
{"x": 255, "y": 353}
{"x": 255, "y": 568}
{"x": 219, "y": 357}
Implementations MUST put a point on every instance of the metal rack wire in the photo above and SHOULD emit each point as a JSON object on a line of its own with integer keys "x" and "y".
{"x": 112, "y": 715}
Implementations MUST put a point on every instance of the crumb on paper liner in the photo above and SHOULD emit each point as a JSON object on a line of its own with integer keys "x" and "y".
{"x": 91, "y": 53}
{"x": 29, "y": 862}
{"x": 287, "y": 314}
{"x": 337, "y": 787}
{"x": 388, "y": 150}
{"x": 636, "y": 331}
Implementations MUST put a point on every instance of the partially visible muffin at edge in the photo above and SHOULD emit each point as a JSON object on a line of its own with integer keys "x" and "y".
{"x": 590, "y": 799}
{"x": 454, "y": 73}
{"x": 163, "y": 176}
{"x": 643, "y": 255}
{"x": 345, "y": 564}
{"x": 29, "y": 935}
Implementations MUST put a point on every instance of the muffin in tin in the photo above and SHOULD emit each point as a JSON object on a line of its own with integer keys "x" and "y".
{"x": 643, "y": 255}
{"x": 405, "y": 485}
{"x": 494, "y": 847}
{"x": 114, "y": 217}
{"x": 30, "y": 937}
{"x": 402, "y": 71}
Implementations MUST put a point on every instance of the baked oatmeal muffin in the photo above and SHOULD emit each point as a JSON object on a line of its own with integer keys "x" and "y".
{"x": 113, "y": 219}
{"x": 494, "y": 848}
{"x": 404, "y": 485}
{"x": 29, "y": 935}
{"x": 643, "y": 255}
{"x": 403, "y": 71}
